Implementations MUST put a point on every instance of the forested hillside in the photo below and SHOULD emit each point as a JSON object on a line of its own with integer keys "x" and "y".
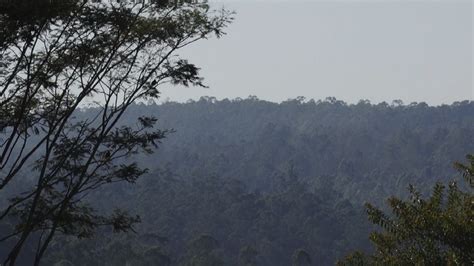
{"x": 368, "y": 151}
{"x": 250, "y": 182}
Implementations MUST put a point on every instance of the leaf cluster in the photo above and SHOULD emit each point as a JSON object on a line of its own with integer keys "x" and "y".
{"x": 438, "y": 230}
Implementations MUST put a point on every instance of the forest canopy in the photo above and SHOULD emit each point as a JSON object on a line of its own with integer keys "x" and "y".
{"x": 272, "y": 183}
{"x": 234, "y": 182}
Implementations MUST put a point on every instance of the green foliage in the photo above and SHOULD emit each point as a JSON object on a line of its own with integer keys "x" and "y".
{"x": 467, "y": 170}
{"x": 438, "y": 230}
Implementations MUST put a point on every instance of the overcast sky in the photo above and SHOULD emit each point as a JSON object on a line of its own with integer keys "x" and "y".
{"x": 377, "y": 50}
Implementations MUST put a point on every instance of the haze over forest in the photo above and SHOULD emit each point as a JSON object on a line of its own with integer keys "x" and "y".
{"x": 180, "y": 133}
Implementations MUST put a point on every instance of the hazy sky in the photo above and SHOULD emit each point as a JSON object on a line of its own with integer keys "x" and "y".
{"x": 352, "y": 50}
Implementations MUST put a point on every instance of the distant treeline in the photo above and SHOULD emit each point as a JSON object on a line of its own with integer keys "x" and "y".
{"x": 251, "y": 182}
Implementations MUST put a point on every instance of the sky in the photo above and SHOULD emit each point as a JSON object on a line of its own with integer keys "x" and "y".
{"x": 416, "y": 51}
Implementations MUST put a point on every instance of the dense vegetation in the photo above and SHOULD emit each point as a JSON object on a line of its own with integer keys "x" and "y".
{"x": 56, "y": 57}
{"x": 437, "y": 230}
{"x": 241, "y": 182}
{"x": 369, "y": 151}
{"x": 249, "y": 182}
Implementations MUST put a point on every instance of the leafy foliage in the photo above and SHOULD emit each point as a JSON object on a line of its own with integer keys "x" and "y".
{"x": 438, "y": 230}
{"x": 57, "y": 57}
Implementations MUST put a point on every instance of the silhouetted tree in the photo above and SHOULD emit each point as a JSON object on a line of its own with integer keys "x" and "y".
{"x": 53, "y": 62}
